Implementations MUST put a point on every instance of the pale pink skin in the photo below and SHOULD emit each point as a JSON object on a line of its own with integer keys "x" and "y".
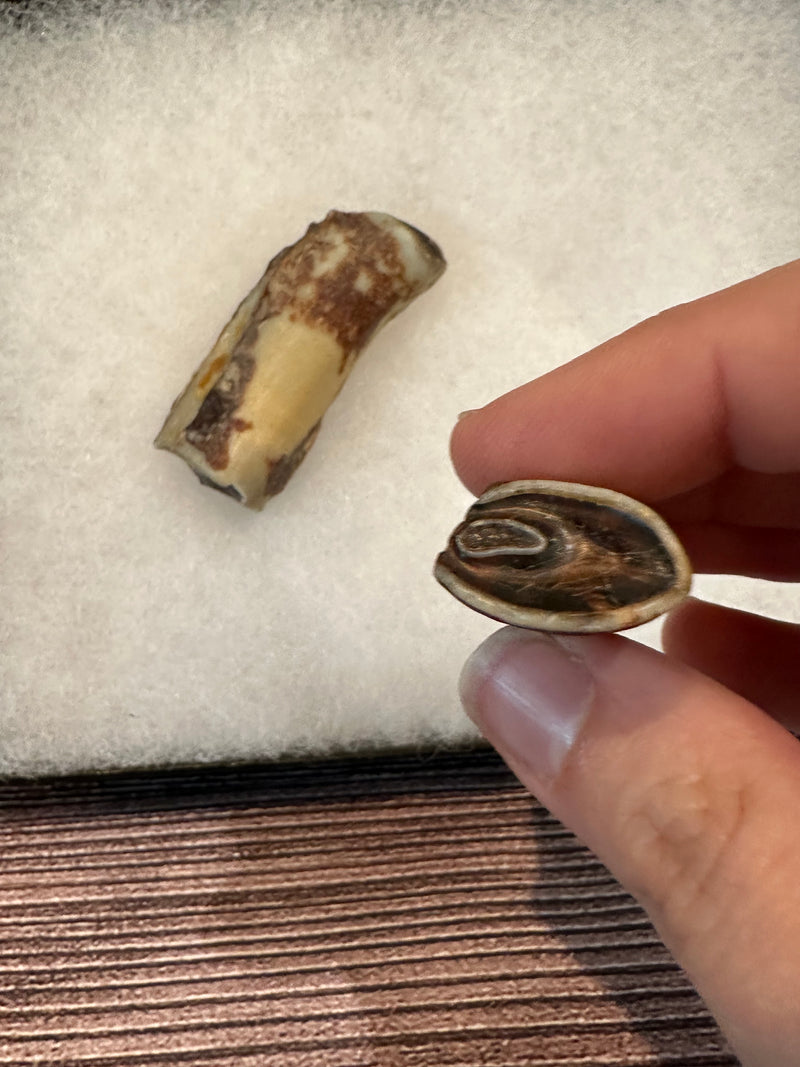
{"x": 677, "y": 769}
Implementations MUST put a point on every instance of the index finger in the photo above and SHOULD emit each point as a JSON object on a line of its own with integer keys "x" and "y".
{"x": 661, "y": 409}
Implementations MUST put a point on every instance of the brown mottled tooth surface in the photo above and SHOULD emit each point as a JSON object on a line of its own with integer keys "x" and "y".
{"x": 253, "y": 407}
{"x": 564, "y": 557}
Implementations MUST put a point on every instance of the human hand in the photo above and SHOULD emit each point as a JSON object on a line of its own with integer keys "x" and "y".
{"x": 678, "y": 770}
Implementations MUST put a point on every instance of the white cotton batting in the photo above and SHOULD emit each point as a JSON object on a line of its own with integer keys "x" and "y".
{"x": 581, "y": 165}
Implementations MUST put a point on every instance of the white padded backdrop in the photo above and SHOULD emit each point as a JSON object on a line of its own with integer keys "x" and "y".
{"x": 582, "y": 164}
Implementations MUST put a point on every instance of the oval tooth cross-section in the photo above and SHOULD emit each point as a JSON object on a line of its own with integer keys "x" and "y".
{"x": 564, "y": 557}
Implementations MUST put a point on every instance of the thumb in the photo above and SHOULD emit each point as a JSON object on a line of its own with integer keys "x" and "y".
{"x": 687, "y": 792}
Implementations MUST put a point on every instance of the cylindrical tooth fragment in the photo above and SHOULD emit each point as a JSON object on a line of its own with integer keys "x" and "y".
{"x": 564, "y": 557}
{"x": 253, "y": 408}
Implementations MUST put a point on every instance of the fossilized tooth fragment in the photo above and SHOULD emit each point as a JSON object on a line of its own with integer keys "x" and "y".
{"x": 564, "y": 557}
{"x": 253, "y": 408}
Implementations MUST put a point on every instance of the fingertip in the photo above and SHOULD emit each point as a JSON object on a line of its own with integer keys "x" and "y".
{"x": 529, "y": 696}
{"x": 466, "y": 448}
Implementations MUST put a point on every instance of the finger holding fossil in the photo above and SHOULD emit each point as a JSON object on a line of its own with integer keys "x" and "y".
{"x": 564, "y": 557}
{"x": 253, "y": 408}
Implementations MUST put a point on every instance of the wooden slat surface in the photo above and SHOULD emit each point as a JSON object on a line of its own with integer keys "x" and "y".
{"x": 392, "y": 911}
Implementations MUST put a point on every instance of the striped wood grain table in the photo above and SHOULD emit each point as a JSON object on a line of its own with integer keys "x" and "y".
{"x": 406, "y": 910}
